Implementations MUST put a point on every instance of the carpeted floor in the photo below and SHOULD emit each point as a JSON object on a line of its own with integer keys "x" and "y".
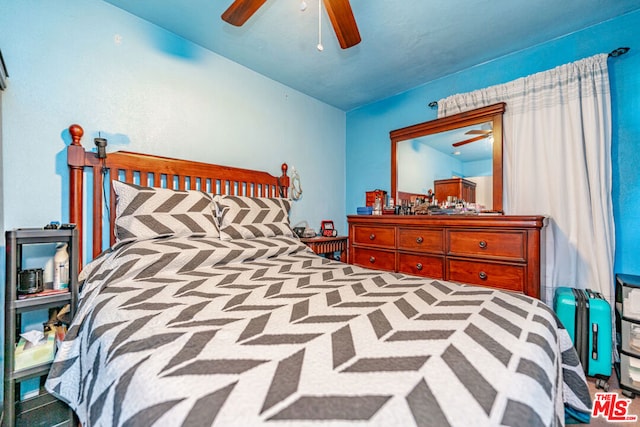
{"x": 633, "y": 408}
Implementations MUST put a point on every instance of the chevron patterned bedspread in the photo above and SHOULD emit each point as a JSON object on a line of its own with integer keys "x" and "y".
{"x": 200, "y": 332}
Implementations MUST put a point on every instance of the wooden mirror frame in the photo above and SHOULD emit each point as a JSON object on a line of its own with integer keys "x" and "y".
{"x": 492, "y": 113}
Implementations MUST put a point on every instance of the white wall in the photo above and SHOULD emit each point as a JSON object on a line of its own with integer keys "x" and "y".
{"x": 421, "y": 165}
{"x": 484, "y": 190}
{"x": 146, "y": 90}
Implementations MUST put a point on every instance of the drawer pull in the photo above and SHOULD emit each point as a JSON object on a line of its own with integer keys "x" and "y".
{"x": 482, "y": 244}
{"x": 372, "y": 259}
{"x": 419, "y": 240}
{"x": 482, "y": 275}
{"x": 419, "y": 266}
{"x": 372, "y": 236}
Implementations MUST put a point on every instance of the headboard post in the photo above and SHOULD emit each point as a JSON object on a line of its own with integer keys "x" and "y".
{"x": 75, "y": 160}
{"x": 283, "y": 181}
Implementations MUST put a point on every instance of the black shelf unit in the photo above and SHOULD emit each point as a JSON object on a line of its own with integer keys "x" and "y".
{"x": 43, "y": 409}
{"x": 628, "y": 326}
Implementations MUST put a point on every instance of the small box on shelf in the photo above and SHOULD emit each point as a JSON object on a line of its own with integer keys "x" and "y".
{"x": 28, "y": 354}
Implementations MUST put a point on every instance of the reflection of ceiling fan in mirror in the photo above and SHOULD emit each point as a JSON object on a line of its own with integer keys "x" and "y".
{"x": 339, "y": 12}
{"x": 482, "y": 134}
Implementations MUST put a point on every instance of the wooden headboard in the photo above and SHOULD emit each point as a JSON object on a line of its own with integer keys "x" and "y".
{"x": 152, "y": 171}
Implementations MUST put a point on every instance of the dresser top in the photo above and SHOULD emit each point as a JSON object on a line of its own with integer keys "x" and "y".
{"x": 507, "y": 221}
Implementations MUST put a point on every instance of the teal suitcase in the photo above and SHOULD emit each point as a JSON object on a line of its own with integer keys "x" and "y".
{"x": 586, "y": 315}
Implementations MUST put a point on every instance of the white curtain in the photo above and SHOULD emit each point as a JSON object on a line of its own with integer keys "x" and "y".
{"x": 557, "y": 163}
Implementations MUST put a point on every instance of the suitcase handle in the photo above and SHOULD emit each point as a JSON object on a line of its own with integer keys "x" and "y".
{"x": 594, "y": 326}
{"x": 594, "y": 346}
{"x": 581, "y": 343}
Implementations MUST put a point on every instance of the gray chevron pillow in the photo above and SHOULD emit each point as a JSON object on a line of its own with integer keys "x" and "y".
{"x": 242, "y": 217}
{"x": 146, "y": 212}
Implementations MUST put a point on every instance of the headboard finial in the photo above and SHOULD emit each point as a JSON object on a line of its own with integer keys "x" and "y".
{"x": 76, "y": 132}
{"x": 284, "y": 168}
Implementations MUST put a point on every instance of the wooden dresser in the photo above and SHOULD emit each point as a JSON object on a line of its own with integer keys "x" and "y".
{"x": 497, "y": 251}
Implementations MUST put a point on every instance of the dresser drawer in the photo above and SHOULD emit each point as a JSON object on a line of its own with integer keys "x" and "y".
{"x": 371, "y": 258}
{"x": 501, "y": 251}
{"x": 421, "y": 240}
{"x": 375, "y": 236}
{"x": 503, "y": 276}
{"x": 509, "y": 245}
{"x": 421, "y": 265}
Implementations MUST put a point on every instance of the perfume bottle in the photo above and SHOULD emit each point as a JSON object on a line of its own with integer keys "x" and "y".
{"x": 377, "y": 206}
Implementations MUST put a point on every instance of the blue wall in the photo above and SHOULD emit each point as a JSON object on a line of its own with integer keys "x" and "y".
{"x": 368, "y": 145}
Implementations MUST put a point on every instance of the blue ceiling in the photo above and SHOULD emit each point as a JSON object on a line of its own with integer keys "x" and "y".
{"x": 404, "y": 43}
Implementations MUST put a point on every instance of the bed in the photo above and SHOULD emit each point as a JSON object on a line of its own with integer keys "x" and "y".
{"x": 249, "y": 327}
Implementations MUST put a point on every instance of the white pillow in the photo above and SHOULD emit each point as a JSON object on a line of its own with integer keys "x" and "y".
{"x": 147, "y": 212}
{"x": 243, "y": 217}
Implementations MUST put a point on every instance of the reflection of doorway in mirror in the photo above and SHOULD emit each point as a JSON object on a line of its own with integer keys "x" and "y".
{"x": 484, "y": 190}
{"x": 420, "y": 165}
{"x": 424, "y": 160}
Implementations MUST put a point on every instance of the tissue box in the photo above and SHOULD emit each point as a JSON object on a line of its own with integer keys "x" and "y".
{"x": 29, "y": 355}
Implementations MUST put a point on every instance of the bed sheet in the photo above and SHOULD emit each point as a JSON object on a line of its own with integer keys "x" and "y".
{"x": 196, "y": 331}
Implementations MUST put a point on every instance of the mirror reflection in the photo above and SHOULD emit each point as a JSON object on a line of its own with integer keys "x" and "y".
{"x": 436, "y": 160}
{"x": 457, "y": 156}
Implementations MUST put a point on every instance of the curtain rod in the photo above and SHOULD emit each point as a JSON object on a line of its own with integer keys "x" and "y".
{"x": 618, "y": 52}
{"x": 613, "y": 54}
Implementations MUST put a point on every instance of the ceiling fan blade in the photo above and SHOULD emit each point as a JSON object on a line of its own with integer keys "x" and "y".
{"x": 344, "y": 24}
{"x": 467, "y": 141}
{"x": 241, "y": 10}
{"x": 478, "y": 132}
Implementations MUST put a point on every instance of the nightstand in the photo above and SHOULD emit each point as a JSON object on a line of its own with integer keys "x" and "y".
{"x": 328, "y": 246}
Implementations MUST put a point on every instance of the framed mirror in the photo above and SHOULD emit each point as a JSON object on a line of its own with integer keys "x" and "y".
{"x": 459, "y": 154}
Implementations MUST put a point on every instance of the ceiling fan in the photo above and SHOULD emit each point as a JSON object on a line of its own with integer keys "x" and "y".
{"x": 340, "y": 13}
{"x": 482, "y": 134}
